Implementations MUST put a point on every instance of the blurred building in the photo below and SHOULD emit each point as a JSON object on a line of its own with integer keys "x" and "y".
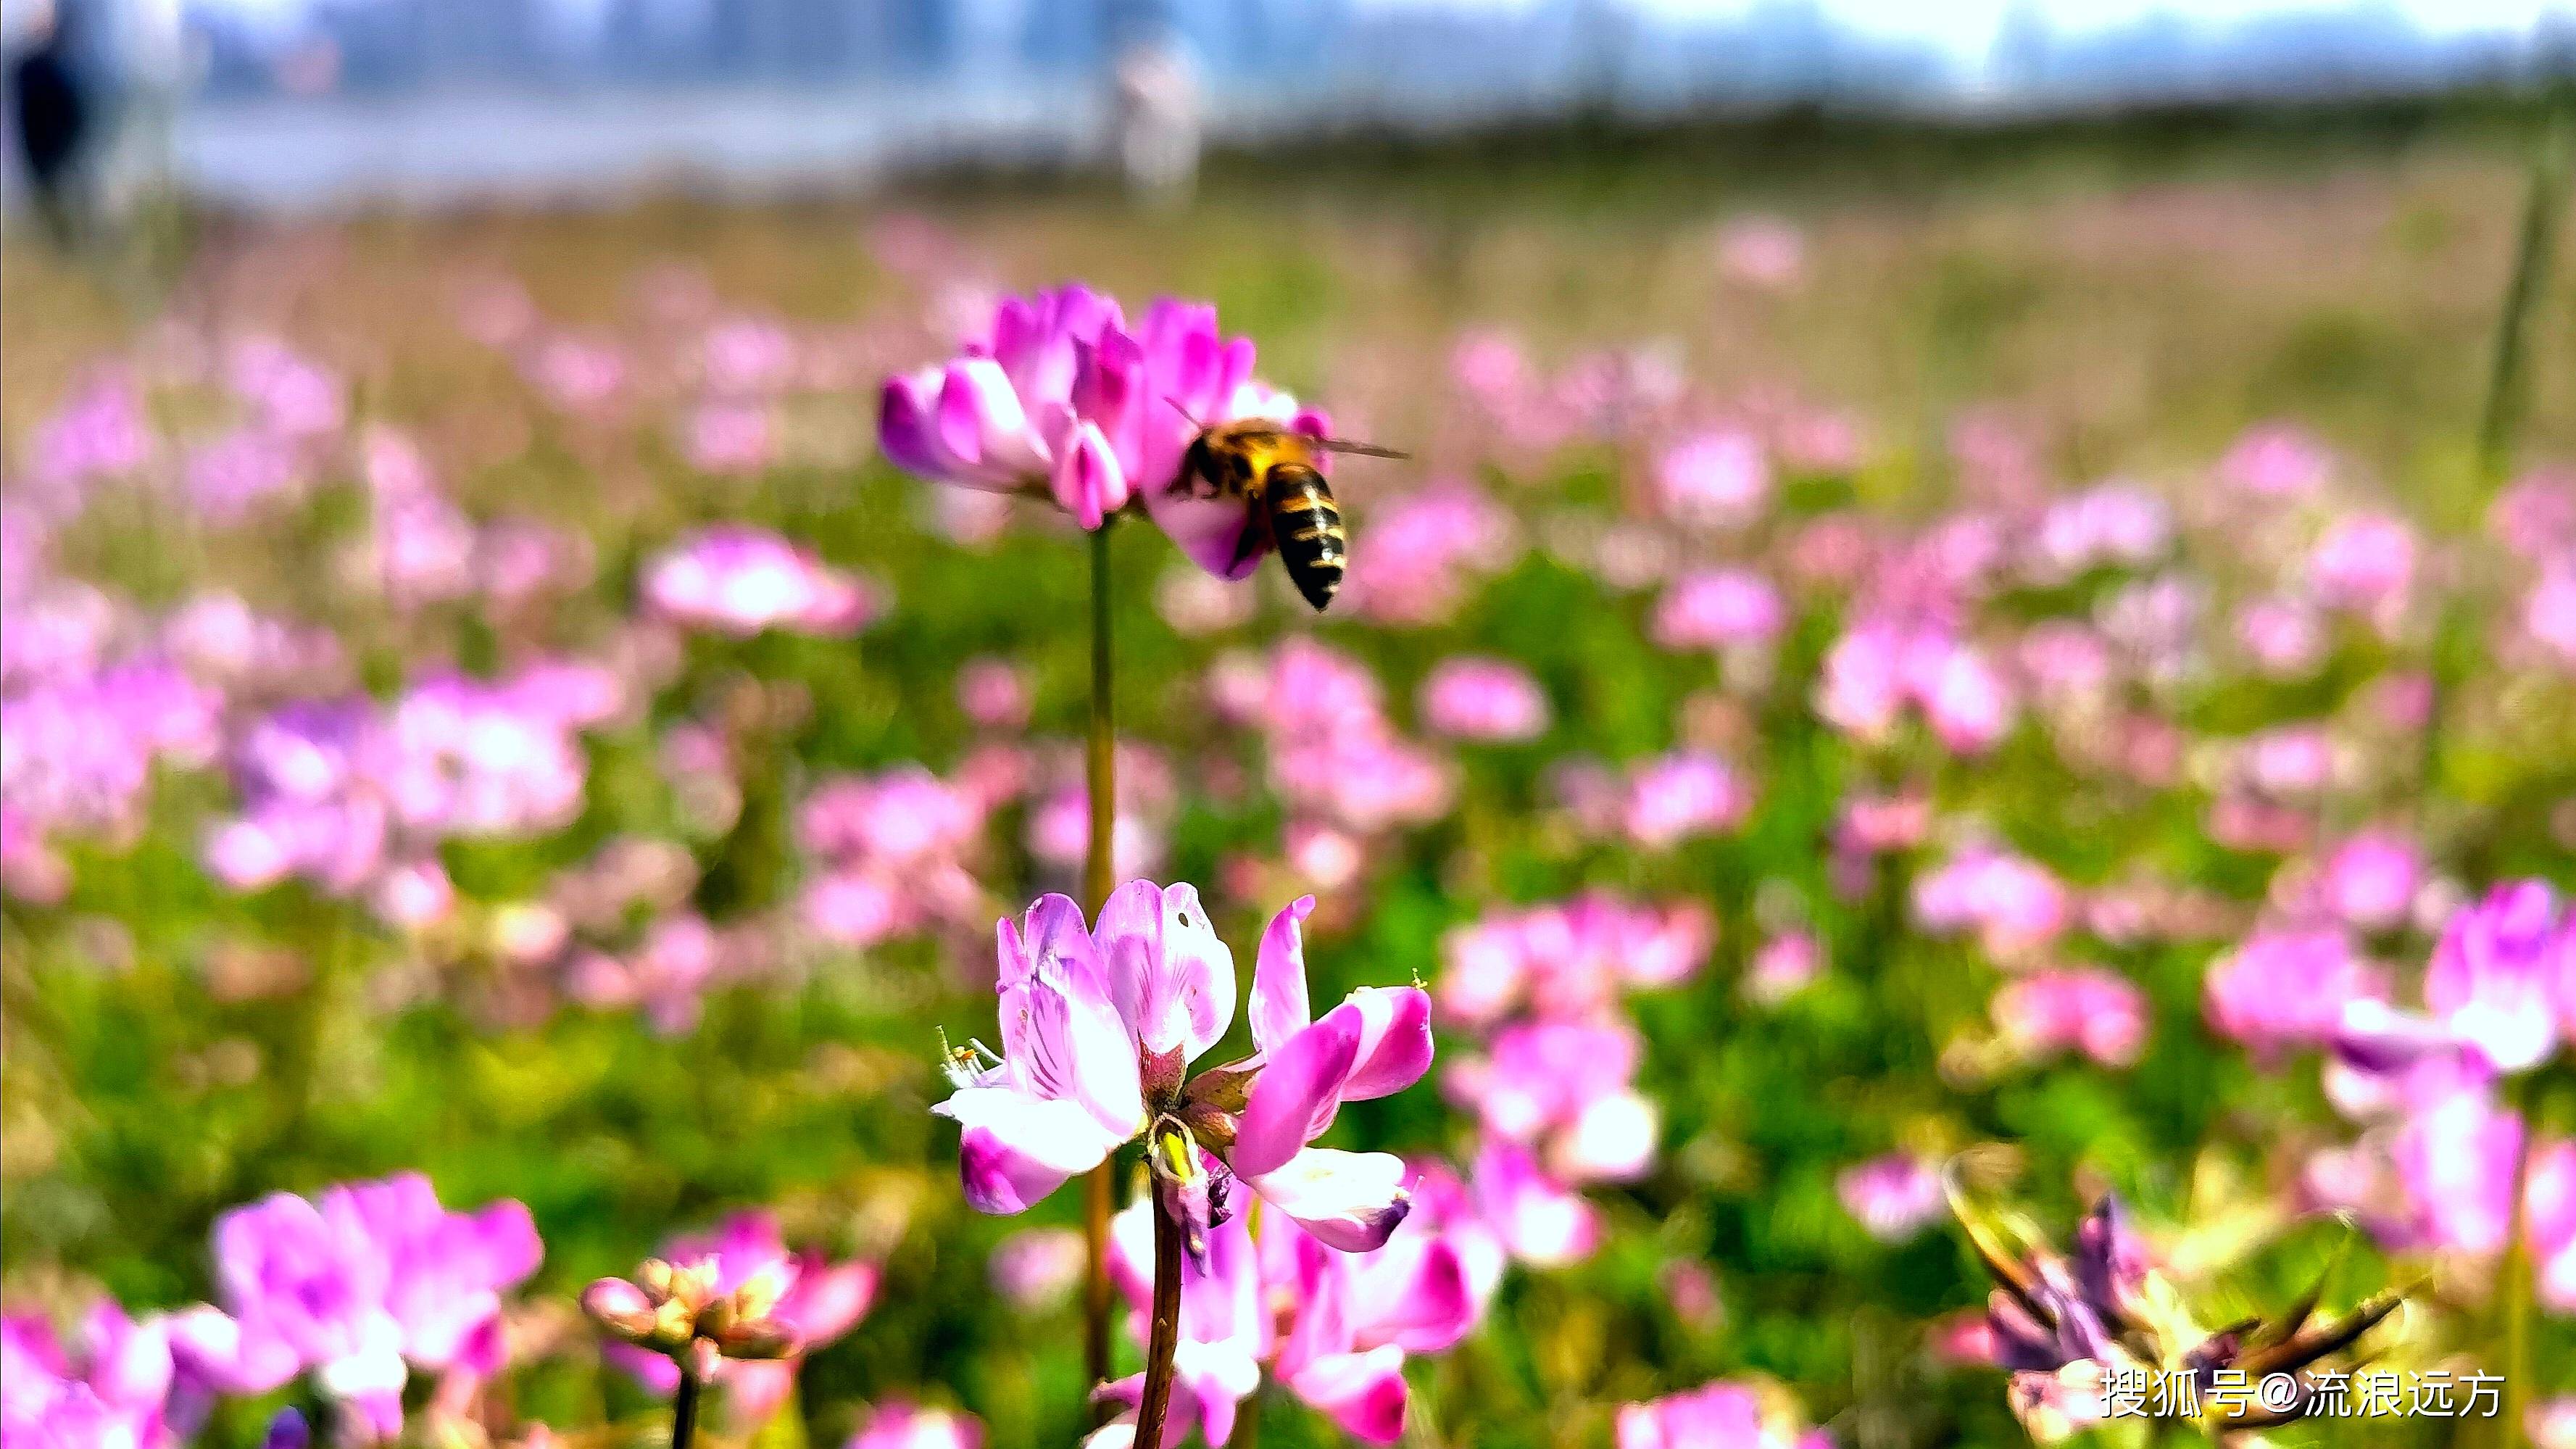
{"x": 298, "y": 102}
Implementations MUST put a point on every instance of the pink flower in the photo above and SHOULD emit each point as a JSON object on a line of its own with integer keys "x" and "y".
{"x": 2015, "y": 905}
{"x": 1762, "y": 251}
{"x": 1715, "y": 479}
{"x": 900, "y": 1425}
{"x": 994, "y": 693}
{"x": 2497, "y": 970}
{"x": 1683, "y": 795}
{"x": 895, "y": 851}
{"x": 112, "y": 1391}
{"x": 1783, "y": 966}
{"x": 1425, "y": 549}
{"x": 1469, "y": 697}
{"x": 2370, "y": 880}
{"x": 731, "y": 438}
{"x": 1332, "y": 1328}
{"x": 1086, "y": 1014}
{"x": 819, "y": 1299}
{"x": 2114, "y": 525}
{"x": 1720, "y": 1415}
{"x": 2287, "y": 988}
{"x": 1060, "y": 396}
{"x": 2549, "y": 613}
{"x": 742, "y": 580}
{"x": 353, "y": 1284}
{"x": 2097, "y": 1012}
{"x": 2364, "y": 564}
{"x": 1037, "y": 1268}
{"x": 1719, "y": 609}
{"x": 2455, "y": 1154}
{"x": 1893, "y": 1196}
{"x": 2276, "y": 460}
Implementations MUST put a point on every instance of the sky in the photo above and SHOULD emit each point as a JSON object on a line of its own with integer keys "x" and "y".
{"x": 1967, "y": 28}
{"x": 1964, "y": 28}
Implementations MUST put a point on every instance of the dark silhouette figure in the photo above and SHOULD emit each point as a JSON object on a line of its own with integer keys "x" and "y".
{"x": 53, "y": 114}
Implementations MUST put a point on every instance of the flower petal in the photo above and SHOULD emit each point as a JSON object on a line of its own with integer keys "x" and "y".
{"x": 905, "y": 430}
{"x": 1348, "y": 1200}
{"x": 1362, "y": 1392}
{"x": 1170, "y": 976}
{"x": 1279, "y": 1006}
{"x": 1015, "y": 1149}
{"x": 1395, "y": 1040}
{"x": 1088, "y": 481}
{"x": 1294, "y": 1098}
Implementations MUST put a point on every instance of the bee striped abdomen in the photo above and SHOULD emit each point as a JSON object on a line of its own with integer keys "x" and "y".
{"x": 1307, "y": 527}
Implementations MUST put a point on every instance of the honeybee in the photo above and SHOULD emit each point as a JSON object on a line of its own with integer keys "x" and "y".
{"x": 1290, "y": 506}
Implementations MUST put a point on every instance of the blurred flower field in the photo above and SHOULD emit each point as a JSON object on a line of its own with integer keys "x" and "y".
{"x": 1880, "y": 711}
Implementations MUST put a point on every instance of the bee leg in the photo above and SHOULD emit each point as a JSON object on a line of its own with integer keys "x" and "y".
{"x": 1255, "y": 537}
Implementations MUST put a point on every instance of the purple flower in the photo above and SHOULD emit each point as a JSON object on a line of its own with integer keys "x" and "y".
{"x": 354, "y": 1285}
{"x": 2498, "y": 969}
{"x": 742, "y": 580}
{"x": 1099, "y": 1026}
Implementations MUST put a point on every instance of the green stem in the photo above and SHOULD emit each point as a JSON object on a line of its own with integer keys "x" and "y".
{"x": 1100, "y": 784}
{"x": 2499, "y": 422}
{"x": 1165, "y": 1341}
{"x": 2532, "y": 253}
{"x": 2514, "y": 1275}
{"x": 684, "y": 1410}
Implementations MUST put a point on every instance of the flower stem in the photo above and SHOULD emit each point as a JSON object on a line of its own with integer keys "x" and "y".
{"x": 684, "y": 1410}
{"x": 2499, "y": 422}
{"x": 1100, "y": 787}
{"x": 1165, "y": 1341}
{"x": 2514, "y": 1275}
{"x": 2506, "y": 393}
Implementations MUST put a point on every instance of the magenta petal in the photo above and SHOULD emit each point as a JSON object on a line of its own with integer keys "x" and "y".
{"x": 1434, "y": 1307}
{"x": 1088, "y": 481}
{"x": 1209, "y": 530}
{"x": 1349, "y": 1200}
{"x": 1279, "y": 1006}
{"x": 1294, "y": 1098}
{"x": 1362, "y": 1392}
{"x": 1395, "y": 1040}
{"x": 904, "y": 424}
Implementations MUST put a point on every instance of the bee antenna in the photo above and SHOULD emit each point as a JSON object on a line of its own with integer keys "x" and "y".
{"x": 1184, "y": 412}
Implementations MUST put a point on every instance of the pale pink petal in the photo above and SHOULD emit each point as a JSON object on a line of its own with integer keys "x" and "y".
{"x": 1279, "y": 1005}
{"x": 1014, "y": 1149}
{"x": 1348, "y": 1200}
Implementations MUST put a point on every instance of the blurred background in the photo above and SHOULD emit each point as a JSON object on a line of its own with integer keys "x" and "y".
{"x": 301, "y": 103}
{"x": 1969, "y": 570}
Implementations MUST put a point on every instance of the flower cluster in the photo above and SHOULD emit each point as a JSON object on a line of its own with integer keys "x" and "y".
{"x": 1059, "y": 396}
{"x": 1099, "y": 1026}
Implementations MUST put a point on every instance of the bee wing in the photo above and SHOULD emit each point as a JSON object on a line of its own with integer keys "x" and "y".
{"x": 1365, "y": 450}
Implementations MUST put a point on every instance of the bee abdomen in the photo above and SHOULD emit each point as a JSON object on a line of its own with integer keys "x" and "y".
{"x": 1307, "y": 526}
